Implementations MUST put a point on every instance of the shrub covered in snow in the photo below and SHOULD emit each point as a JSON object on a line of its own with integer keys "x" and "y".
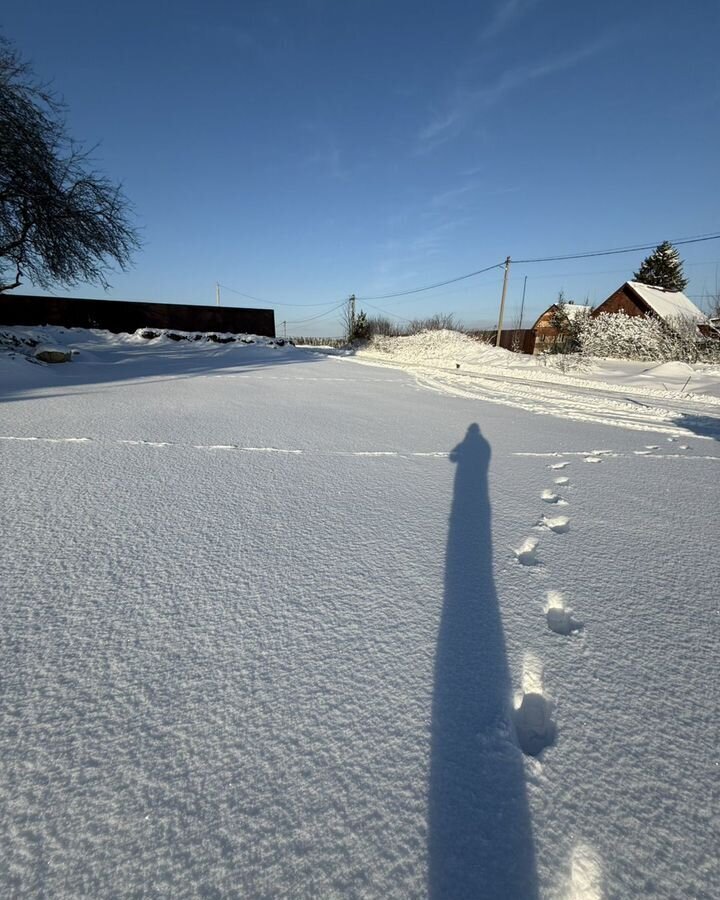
{"x": 569, "y": 321}
{"x": 646, "y": 338}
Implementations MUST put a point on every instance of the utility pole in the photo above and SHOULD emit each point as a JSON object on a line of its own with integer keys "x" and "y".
{"x": 522, "y": 305}
{"x": 502, "y": 301}
{"x": 352, "y": 314}
{"x": 284, "y": 325}
{"x": 217, "y": 293}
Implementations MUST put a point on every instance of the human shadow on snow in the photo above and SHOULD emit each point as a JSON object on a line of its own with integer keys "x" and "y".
{"x": 480, "y": 838}
{"x": 703, "y": 426}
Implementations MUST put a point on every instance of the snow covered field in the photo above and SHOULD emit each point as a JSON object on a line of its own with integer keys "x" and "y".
{"x": 276, "y": 623}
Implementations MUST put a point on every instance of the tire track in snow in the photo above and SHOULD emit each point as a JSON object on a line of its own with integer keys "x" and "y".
{"x": 546, "y": 401}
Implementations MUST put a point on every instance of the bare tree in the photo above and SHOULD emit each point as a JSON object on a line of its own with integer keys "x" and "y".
{"x": 437, "y": 322}
{"x": 61, "y": 222}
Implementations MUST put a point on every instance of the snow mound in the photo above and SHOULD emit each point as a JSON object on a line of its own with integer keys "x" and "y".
{"x": 674, "y": 369}
{"x": 215, "y": 337}
{"x": 442, "y": 348}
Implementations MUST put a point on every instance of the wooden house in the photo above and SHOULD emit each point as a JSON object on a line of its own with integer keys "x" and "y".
{"x": 636, "y": 299}
{"x": 546, "y": 331}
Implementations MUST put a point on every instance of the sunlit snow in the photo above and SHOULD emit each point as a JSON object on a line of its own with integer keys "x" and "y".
{"x": 281, "y": 623}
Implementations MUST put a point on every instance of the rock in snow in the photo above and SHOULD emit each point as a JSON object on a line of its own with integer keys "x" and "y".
{"x": 51, "y": 353}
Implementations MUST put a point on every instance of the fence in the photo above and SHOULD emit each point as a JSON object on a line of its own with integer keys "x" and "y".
{"x": 520, "y": 340}
{"x": 127, "y": 315}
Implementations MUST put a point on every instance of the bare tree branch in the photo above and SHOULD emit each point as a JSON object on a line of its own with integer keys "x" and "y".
{"x": 61, "y": 222}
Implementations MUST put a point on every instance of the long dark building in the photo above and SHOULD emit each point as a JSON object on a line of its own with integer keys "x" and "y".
{"x": 127, "y": 315}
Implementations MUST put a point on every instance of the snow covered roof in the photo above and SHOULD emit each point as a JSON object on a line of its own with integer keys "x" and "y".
{"x": 572, "y": 310}
{"x": 667, "y": 304}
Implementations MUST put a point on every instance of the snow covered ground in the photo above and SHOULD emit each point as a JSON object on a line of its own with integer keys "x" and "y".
{"x": 281, "y": 624}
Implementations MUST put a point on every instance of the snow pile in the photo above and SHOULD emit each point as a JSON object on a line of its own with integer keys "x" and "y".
{"x": 442, "y": 348}
{"x": 29, "y": 340}
{"x": 469, "y": 360}
{"x": 215, "y": 337}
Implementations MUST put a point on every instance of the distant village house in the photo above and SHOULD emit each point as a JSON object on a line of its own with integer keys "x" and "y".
{"x": 548, "y": 329}
{"x": 636, "y": 299}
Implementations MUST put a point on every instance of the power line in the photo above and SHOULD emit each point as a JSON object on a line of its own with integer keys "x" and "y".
{"x": 565, "y": 256}
{"x": 430, "y": 287}
{"x": 386, "y": 313}
{"x": 320, "y": 316}
{"x": 634, "y": 249}
{"x": 583, "y": 273}
{"x": 270, "y": 303}
{"x": 241, "y": 294}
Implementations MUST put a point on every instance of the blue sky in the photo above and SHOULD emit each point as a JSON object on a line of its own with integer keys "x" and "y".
{"x": 302, "y": 151}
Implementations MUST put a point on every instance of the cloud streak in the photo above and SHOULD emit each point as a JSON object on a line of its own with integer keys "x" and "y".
{"x": 505, "y": 15}
{"x": 466, "y": 103}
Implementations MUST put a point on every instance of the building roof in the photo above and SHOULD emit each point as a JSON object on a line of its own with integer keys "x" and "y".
{"x": 667, "y": 304}
{"x": 571, "y": 310}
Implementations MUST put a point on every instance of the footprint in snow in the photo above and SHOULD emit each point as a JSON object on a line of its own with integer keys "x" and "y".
{"x": 563, "y": 479}
{"x": 526, "y": 553}
{"x": 592, "y": 459}
{"x": 558, "y": 524}
{"x": 558, "y": 616}
{"x": 551, "y": 497}
{"x": 561, "y": 465}
{"x": 684, "y": 447}
{"x": 585, "y": 881}
{"x": 651, "y": 447}
{"x": 533, "y": 724}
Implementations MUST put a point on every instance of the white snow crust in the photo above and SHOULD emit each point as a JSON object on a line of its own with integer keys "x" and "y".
{"x": 266, "y": 630}
{"x": 668, "y": 304}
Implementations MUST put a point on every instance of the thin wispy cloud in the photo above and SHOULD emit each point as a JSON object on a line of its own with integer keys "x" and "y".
{"x": 467, "y": 102}
{"x": 506, "y": 13}
{"x": 469, "y": 191}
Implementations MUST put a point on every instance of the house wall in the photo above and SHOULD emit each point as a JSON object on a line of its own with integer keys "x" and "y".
{"x": 621, "y": 301}
{"x": 121, "y": 315}
{"x": 546, "y": 332}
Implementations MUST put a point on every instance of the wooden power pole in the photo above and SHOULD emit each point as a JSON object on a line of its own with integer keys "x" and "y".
{"x": 502, "y": 302}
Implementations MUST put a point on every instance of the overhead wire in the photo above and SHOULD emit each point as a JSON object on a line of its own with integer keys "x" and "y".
{"x": 591, "y": 253}
{"x": 429, "y": 287}
{"x": 270, "y": 303}
{"x": 559, "y": 257}
{"x": 386, "y": 313}
{"x": 320, "y": 316}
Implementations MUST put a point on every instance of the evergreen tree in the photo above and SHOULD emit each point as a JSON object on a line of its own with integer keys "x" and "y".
{"x": 361, "y": 330}
{"x": 663, "y": 268}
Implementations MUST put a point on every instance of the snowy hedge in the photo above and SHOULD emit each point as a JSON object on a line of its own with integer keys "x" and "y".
{"x": 637, "y": 337}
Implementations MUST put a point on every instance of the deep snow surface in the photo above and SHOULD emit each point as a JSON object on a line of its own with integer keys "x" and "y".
{"x": 276, "y": 625}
